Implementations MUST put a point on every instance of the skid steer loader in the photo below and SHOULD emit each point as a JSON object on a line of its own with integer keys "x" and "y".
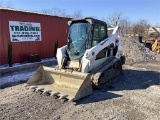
{"x": 90, "y": 58}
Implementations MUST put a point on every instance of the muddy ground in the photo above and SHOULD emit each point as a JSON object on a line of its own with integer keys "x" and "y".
{"x": 133, "y": 96}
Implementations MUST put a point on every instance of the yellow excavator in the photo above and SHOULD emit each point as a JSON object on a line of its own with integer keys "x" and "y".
{"x": 156, "y": 46}
{"x": 89, "y": 59}
{"x": 153, "y": 42}
{"x": 153, "y": 45}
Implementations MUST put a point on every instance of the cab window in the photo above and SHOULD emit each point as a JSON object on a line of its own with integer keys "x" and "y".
{"x": 99, "y": 34}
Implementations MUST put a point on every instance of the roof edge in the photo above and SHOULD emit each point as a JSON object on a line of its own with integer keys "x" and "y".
{"x": 32, "y": 12}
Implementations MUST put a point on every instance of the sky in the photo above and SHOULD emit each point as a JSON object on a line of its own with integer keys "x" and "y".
{"x": 133, "y": 10}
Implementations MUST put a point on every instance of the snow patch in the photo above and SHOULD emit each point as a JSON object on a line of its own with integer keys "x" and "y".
{"x": 19, "y": 76}
{"x": 22, "y": 64}
{"x": 15, "y": 78}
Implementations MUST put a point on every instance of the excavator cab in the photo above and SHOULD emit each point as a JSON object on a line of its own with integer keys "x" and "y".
{"x": 84, "y": 34}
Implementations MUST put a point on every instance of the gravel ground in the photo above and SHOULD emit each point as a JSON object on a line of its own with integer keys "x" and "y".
{"x": 133, "y": 96}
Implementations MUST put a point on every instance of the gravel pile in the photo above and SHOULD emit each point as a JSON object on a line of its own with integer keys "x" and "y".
{"x": 136, "y": 52}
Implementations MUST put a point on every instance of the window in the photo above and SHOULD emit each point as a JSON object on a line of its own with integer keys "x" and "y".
{"x": 99, "y": 34}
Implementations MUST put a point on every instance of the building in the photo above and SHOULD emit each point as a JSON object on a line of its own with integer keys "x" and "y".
{"x": 30, "y": 32}
{"x": 153, "y": 30}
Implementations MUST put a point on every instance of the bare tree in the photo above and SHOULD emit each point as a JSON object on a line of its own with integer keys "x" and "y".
{"x": 77, "y": 14}
{"x": 103, "y": 19}
{"x": 9, "y": 5}
{"x": 47, "y": 11}
{"x": 125, "y": 25}
{"x": 114, "y": 19}
{"x": 56, "y": 12}
{"x": 141, "y": 27}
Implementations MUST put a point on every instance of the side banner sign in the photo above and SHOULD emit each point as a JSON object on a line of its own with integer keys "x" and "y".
{"x": 24, "y": 31}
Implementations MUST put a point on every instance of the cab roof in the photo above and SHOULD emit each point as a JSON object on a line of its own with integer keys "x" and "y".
{"x": 90, "y": 20}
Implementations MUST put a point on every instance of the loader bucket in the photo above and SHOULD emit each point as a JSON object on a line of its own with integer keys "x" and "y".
{"x": 70, "y": 85}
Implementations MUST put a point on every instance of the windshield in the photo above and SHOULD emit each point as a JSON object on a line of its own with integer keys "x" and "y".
{"x": 77, "y": 39}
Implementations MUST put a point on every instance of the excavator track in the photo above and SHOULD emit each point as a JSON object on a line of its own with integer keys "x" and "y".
{"x": 107, "y": 71}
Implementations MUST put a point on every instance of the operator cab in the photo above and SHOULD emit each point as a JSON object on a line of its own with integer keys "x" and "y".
{"x": 84, "y": 34}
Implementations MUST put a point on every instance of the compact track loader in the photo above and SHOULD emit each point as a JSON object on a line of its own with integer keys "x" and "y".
{"x": 90, "y": 58}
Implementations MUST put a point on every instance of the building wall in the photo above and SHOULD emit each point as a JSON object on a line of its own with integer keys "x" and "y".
{"x": 53, "y": 29}
{"x": 153, "y": 30}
